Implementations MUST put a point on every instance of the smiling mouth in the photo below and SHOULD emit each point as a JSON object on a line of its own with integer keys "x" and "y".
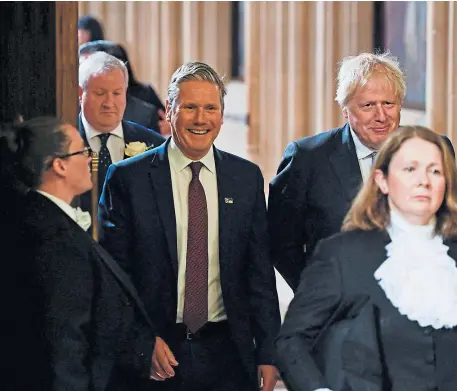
{"x": 198, "y": 131}
{"x": 380, "y": 130}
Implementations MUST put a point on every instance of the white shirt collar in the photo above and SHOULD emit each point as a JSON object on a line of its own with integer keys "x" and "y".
{"x": 362, "y": 151}
{"x": 399, "y": 226}
{"x": 68, "y": 209}
{"x": 418, "y": 276}
{"x": 178, "y": 161}
{"x": 91, "y": 132}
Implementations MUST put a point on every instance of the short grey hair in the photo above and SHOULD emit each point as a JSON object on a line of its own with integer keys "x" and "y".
{"x": 356, "y": 71}
{"x": 195, "y": 71}
{"x": 99, "y": 63}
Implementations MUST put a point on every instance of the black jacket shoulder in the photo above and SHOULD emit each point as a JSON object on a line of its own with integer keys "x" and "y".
{"x": 321, "y": 141}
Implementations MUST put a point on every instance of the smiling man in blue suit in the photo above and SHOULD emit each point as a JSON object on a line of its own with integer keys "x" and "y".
{"x": 188, "y": 223}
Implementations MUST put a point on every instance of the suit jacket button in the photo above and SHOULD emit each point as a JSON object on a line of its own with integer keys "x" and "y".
{"x": 127, "y": 302}
{"x": 430, "y": 359}
{"x": 428, "y": 330}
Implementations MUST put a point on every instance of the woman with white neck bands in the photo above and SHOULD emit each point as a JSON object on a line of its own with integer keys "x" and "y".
{"x": 377, "y": 308}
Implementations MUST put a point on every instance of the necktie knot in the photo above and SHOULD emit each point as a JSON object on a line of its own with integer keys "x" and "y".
{"x": 104, "y": 138}
{"x": 195, "y": 168}
{"x": 373, "y": 156}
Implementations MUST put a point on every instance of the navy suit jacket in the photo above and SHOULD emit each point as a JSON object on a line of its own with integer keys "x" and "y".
{"x": 138, "y": 227}
{"x": 317, "y": 180}
{"x": 132, "y": 132}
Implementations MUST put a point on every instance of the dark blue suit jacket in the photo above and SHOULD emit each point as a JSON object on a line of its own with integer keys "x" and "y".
{"x": 132, "y": 132}
{"x": 317, "y": 180}
{"x": 138, "y": 227}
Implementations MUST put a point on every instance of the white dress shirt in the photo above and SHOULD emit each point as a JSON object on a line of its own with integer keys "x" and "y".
{"x": 363, "y": 156}
{"x": 181, "y": 176}
{"x": 67, "y": 208}
{"x": 115, "y": 143}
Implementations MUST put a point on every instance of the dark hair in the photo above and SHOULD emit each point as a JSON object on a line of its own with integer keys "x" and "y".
{"x": 115, "y": 49}
{"x": 27, "y": 147}
{"x": 92, "y": 25}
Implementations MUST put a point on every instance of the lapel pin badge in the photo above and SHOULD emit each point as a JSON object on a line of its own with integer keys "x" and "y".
{"x": 228, "y": 200}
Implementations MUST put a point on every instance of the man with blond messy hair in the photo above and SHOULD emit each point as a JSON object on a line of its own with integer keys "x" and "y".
{"x": 320, "y": 175}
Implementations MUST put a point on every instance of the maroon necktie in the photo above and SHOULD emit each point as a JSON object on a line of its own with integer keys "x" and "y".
{"x": 196, "y": 289}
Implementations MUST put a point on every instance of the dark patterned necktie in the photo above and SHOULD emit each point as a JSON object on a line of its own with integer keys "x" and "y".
{"x": 104, "y": 158}
{"x": 196, "y": 288}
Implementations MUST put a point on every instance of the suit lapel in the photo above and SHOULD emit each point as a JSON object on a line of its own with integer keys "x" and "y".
{"x": 129, "y": 135}
{"x": 55, "y": 213}
{"x": 227, "y": 186}
{"x": 82, "y": 132}
{"x": 122, "y": 277}
{"x": 344, "y": 162}
{"x": 160, "y": 178}
{"x": 132, "y": 134}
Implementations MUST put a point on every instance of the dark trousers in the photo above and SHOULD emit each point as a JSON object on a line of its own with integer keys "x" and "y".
{"x": 208, "y": 361}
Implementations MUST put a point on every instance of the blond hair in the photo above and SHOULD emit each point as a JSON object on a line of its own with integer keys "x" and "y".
{"x": 356, "y": 71}
{"x": 370, "y": 209}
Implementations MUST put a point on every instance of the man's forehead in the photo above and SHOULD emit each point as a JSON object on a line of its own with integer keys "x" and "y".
{"x": 107, "y": 77}
{"x": 377, "y": 88}
{"x": 198, "y": 89}
{"x": 196, "y": 83}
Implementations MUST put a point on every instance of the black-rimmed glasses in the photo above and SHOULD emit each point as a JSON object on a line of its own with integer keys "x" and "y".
{"x": 86, "y": 152}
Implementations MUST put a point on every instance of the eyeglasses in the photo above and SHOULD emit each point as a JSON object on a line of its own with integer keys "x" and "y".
{"x": 86, "y": 152}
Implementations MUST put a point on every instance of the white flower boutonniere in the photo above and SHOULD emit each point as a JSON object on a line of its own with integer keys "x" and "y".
{"x": 136, "y": 147}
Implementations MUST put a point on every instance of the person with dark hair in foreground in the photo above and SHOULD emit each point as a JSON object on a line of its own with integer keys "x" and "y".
{"x": 75, "y": 321}
{"x": 376, "y": 308}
